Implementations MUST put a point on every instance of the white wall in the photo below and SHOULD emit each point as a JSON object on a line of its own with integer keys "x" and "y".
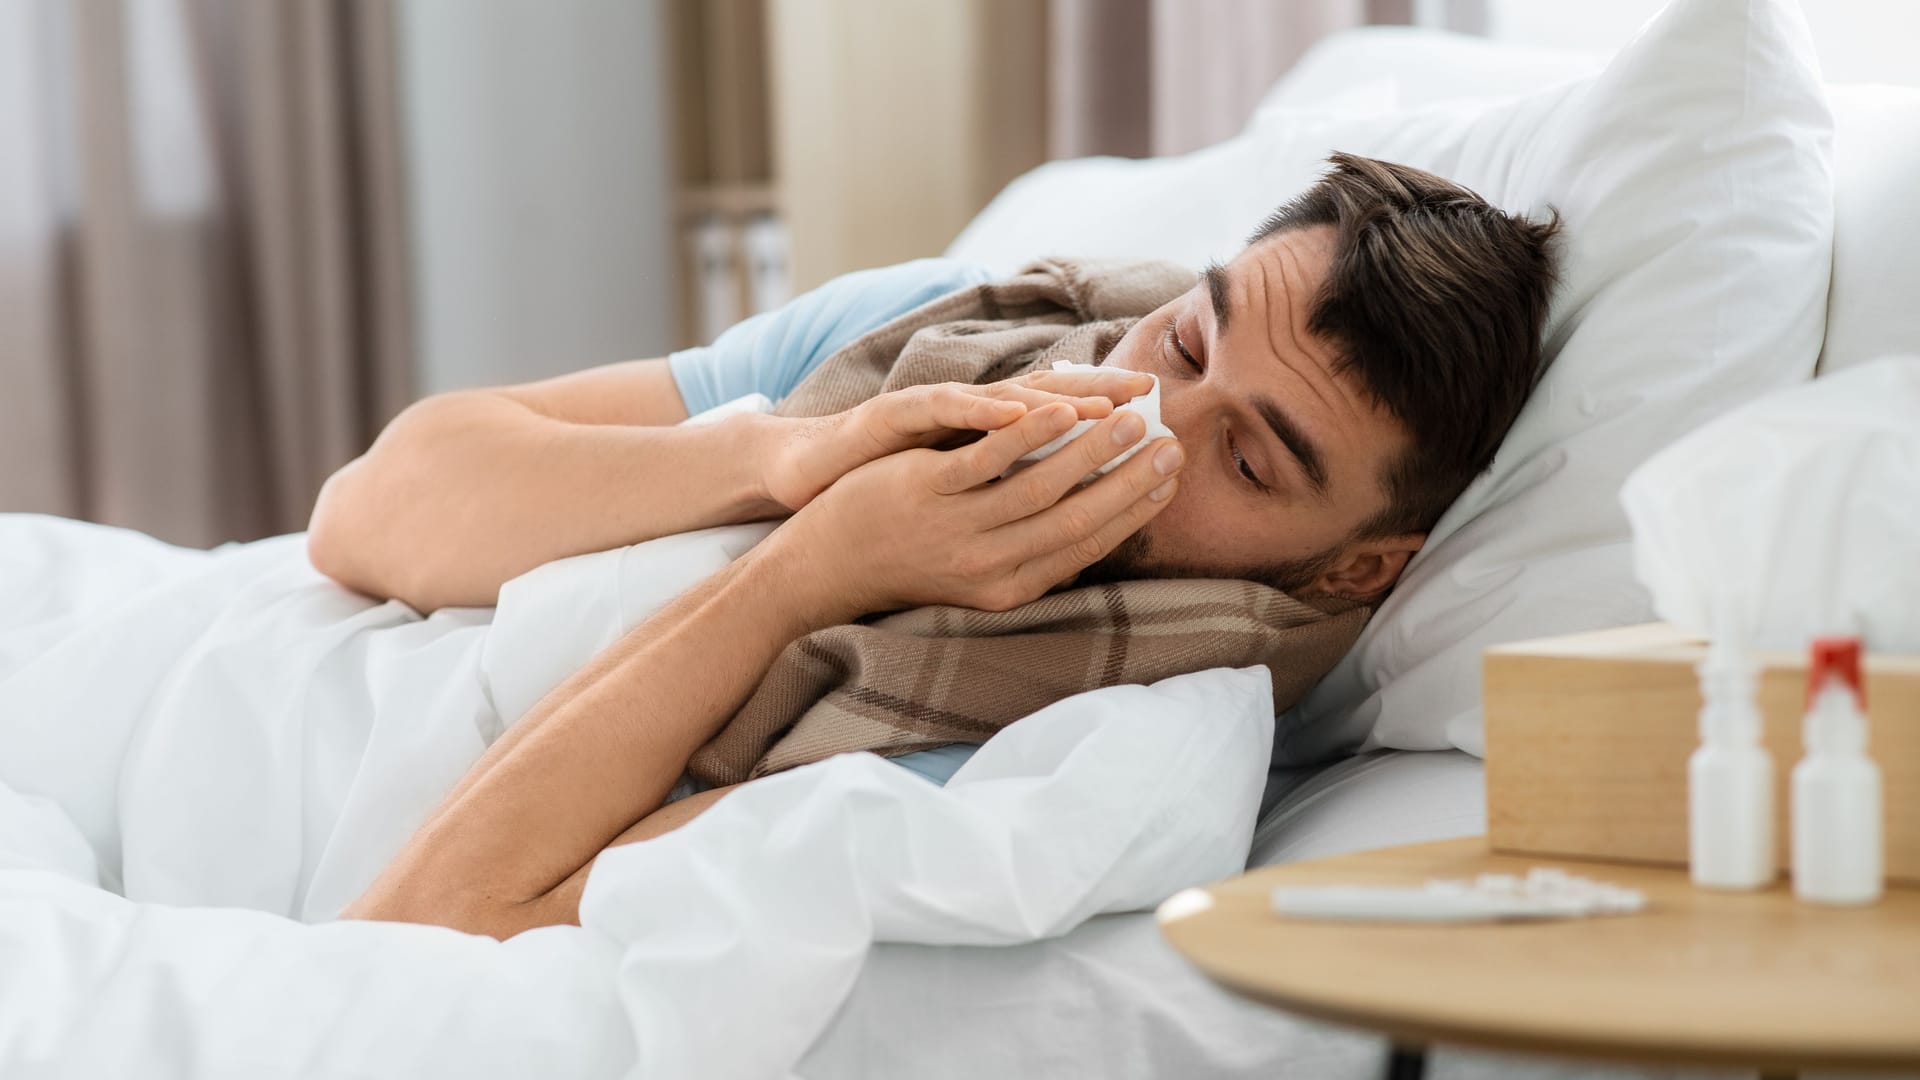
{"x": 540, "y": 186}
{"x": 1858, "y": 40}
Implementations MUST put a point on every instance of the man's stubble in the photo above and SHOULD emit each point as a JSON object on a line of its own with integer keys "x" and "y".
{"x": 1137, "y": 557}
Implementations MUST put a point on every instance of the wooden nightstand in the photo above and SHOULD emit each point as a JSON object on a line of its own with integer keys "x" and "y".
{"x": 1753, "y": 980}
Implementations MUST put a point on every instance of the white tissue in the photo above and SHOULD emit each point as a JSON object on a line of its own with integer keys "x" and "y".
{"x": 1795, "y": 515}
{"x": 1147, "y": 406}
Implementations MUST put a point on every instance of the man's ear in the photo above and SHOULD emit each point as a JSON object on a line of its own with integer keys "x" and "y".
{"x": 1368, "y": 568}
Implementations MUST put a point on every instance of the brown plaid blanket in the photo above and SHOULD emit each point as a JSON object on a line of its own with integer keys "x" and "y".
{"x": 919, "y": 679}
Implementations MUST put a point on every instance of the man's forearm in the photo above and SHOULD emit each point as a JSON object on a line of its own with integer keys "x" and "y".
{"x": 506, "y": 850}
{"x": 466, "y": 492}
{"x": 598, "y": 754}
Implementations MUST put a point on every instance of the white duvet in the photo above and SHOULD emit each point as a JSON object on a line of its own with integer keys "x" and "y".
{"x": 205, "y": 756}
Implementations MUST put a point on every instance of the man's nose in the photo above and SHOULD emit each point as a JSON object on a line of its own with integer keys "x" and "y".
{"x": 1187, "y": 406}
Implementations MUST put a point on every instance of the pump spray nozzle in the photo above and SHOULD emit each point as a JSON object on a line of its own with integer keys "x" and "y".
{"x": 1730, "y": 776}
{"x": 1729, "y": 678}
{"x": 1836, "y": 699}
{"x": 1837, "y": 810}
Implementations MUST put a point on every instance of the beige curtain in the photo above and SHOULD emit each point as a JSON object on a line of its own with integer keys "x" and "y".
{"x": 1140, "y": 77}
{"x": 203, "y": 302}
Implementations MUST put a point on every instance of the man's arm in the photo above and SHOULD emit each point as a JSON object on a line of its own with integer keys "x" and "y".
{"x": 589, "y": 767}
{"x": 598, "y": 754}
{"x": 465, "y": 491}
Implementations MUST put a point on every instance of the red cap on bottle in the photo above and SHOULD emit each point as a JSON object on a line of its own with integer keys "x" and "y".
{"x": 1838, "y": 658}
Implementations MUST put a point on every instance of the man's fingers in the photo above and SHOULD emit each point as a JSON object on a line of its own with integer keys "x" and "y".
{"x": 1090, "y": 406}
{"x": 1088, "y": 524}
{"x": 962, "y": 408}
{"x": 1049, "y": 570}
{"x": 1117, "y": 385}
{"x": 909, "y": 417}
{"x": 976, "y": 463}
{"x": 1074, "y": 518}
{"x": 1043, "y": 484}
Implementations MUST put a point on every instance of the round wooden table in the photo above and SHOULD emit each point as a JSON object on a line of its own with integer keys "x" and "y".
{"x": 1750, "y": 980}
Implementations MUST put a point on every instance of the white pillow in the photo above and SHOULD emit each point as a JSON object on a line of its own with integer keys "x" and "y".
{"x": 1695, "y": 180}
{"x": 1874, "y": 307}
{"x": 1191, "y": 208}
{"x": 1876, "y": 157}
{"x": 1200, "y": 206}
{"x": 1417, "y": 66}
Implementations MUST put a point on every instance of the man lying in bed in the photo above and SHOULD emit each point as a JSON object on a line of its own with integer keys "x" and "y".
{"x": 1333, "y": 389}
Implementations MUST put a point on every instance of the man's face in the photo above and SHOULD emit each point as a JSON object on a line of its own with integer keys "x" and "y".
{"x": 1284, "y": 459}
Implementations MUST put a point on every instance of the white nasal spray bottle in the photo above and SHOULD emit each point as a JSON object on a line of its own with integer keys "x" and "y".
{"x": 1730, "y": 777}
{"x": 1837, "y": 827}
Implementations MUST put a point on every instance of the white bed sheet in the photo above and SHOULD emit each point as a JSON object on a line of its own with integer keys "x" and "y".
{"x": 1113, "y": 1001}
{"x": 200, "y": 752}
{"x": 664, "y": 980}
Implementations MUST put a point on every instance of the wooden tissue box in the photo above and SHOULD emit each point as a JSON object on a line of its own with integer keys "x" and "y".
{"x": 1587, "y": 739}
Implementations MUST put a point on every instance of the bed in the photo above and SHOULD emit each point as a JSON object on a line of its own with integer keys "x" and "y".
{"x": 1111, "y": 999}
{"x": 662, "y": 981}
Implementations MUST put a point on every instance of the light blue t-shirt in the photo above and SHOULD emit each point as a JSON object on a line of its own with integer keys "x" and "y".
{"x": 770, "y": 353}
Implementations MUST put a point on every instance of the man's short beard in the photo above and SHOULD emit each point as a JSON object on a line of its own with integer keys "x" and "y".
{"x": 1133, "y": 559}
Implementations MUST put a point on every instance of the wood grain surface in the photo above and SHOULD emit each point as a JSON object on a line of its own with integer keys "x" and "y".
{"x": 1751, "y": 980}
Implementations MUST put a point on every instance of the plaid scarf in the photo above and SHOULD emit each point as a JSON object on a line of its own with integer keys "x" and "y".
{"x": 932, "y": 676}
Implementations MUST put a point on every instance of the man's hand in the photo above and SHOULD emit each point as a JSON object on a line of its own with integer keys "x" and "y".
{"x": 811, "y": 454}
{"x": 932, "y": 527}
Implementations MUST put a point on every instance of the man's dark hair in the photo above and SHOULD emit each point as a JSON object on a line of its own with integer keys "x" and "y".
{"x": 1436, "y": 301}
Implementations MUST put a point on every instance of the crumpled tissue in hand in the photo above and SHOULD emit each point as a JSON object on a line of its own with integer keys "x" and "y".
{"x": 1146, "y": 405}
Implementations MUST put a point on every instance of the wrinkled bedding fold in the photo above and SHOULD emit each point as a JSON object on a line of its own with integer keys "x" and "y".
{"x": 204, "y": 756}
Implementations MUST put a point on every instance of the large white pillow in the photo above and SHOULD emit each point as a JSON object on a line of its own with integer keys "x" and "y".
{"x": 1874, "y": 308}
{"x": 1190, "y": 208}
{"x": 1417, "y": 66}
{"x": 1694, "y": 175}
{"x": 1871, "y": 311}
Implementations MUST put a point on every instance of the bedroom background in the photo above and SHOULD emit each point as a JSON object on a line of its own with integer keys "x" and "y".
{"x": 236, "y": 237}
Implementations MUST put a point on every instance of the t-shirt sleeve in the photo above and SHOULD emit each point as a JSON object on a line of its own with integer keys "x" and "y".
{"x": 939, "y": 764}
{"x": 770, "y": 353}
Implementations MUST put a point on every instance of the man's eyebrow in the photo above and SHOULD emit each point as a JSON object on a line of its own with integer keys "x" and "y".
{"x": 1216, "y": 276}
{"x": 1296, "y": 442}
